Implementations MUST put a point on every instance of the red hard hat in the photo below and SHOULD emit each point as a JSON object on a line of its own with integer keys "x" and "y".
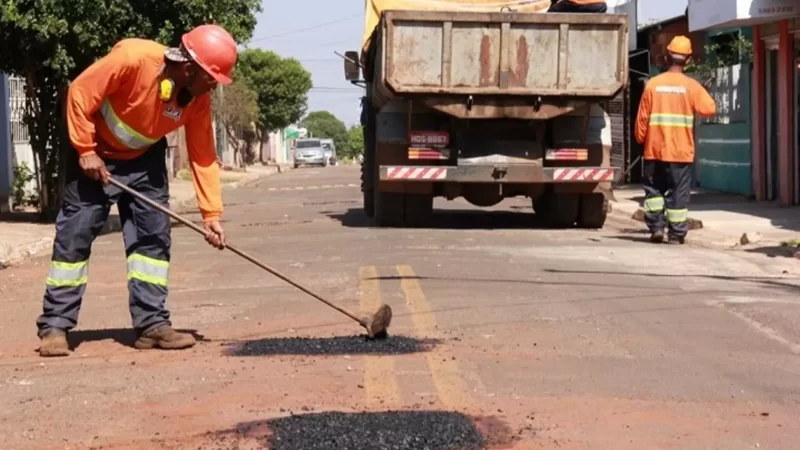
{"x": 214, "y": 49}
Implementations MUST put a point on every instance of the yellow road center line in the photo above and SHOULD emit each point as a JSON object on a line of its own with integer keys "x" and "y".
{"x": 380, "y": 382}
{"x": 452, "y": 389}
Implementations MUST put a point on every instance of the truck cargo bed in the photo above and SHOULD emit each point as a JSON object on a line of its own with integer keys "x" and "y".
{"x": 505, "y": 54}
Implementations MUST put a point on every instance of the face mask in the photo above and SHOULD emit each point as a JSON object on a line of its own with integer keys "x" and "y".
{"x": 184, "y": 97}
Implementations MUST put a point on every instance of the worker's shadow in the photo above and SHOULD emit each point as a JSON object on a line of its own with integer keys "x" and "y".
{"x": 123, "y": 336}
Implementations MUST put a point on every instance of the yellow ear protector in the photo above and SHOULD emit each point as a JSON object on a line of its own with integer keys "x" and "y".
{"x": 166, "y": 89}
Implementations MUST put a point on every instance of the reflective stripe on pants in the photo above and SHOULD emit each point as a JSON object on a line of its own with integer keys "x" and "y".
{"x": 148, "y": 270}
{"x": 654, "y": 204}
{"x": 146, "y": 233}
{"x": 667, "y": 188}
{"x": 64, "y": 274}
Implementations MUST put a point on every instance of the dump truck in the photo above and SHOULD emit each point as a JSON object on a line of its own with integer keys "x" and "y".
{"x": 484, "y": 101}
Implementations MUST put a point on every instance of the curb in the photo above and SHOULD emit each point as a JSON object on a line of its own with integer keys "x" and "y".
{"x": 14, "y": 256}
{"x": 181, "y": 206}
{"x": 698, "y": 236}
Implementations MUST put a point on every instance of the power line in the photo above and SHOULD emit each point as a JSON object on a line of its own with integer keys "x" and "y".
{"x": 338, "y": 93}
{"x": 312, "y": 27}
{"x": 327, "y": 88}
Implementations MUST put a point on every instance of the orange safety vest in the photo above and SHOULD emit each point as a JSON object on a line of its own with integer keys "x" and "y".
{"x": 114, "y": 109}
{"x": 665, "y": 122}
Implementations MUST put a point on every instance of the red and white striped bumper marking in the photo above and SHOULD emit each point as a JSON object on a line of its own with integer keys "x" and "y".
{"x": 416, "y": 173}
{"x": 581, "y": 174}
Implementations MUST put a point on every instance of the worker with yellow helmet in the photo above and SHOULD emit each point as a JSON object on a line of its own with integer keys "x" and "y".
{"x": 665, "y": 125}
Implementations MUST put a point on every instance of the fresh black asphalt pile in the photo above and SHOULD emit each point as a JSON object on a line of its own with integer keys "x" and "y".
{"x": 340, "y": 345}
{"x": 404, "y": 430}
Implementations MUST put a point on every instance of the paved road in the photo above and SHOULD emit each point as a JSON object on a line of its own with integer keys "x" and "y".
{"x": 505, "y": 336}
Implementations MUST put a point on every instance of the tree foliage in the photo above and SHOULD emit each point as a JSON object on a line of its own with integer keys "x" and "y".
{"x": 355, "y": 142}
{"x": 236, "y": 106}
{"x": 720, "y": 55}
{"x": 323, "y": 124}
{"x": 281, "y": 84}
{"x": 49, "y": 42}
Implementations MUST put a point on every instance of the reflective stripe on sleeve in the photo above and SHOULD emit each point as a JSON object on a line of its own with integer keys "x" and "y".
{"x": 63, "y": 274}
{"x": 122, "y": 131}
{"x": 148, "y": 270}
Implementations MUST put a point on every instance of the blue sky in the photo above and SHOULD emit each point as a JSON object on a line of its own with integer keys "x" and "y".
{"x": 311, "y": 30}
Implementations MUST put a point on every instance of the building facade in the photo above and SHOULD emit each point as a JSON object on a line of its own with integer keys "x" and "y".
{"x": 774, "y": 26}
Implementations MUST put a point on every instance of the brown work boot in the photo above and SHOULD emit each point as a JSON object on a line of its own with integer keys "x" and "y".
{"x": 676, "y": 240}
{"x": 657, "y": 237}
{"x": 164, "y": 337}
{"x": 54, "y": 343}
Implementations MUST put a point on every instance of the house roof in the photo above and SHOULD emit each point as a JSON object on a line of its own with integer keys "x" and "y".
{"x": 649, "y": 27}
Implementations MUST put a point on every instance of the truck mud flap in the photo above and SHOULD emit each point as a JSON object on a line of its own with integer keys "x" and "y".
{"x": 524, "y": 173}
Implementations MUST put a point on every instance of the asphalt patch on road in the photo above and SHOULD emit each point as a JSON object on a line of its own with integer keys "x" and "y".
{"x": 339, "y": 345}
{"x": 402, "y": 430}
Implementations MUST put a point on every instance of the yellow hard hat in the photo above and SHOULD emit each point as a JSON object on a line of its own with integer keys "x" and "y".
{"x": 680, "y": 45}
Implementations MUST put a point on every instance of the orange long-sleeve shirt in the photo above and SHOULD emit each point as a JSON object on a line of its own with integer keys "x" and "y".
{"x": 114, "y": 110}
{"x": 665, "y": 121}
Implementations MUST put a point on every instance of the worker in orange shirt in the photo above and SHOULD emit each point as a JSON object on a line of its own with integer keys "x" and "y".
{"x": 665, "y": 125}
{"x": 577, "y": 6}
{"x": 119, "y": 111}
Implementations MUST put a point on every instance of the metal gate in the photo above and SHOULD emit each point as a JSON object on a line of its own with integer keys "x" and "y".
{"x": 618, "y": 112}
{"x": 22, "y": 151}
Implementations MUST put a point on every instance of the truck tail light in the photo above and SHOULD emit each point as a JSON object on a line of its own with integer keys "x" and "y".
{"x": 428, "y": 153}
{"x": 567, "y": 154}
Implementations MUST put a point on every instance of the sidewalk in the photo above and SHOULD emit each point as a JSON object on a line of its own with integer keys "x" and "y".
{"x": 720, "y": 220}
{"x": 21, "y": 237}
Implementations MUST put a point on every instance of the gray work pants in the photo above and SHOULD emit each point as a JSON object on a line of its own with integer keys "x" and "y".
{"x": 146, "y": 232}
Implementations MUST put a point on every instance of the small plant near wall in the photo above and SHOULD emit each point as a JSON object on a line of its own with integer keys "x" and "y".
{"x": 724, "y": 50}
{"x": 20, "y": 196}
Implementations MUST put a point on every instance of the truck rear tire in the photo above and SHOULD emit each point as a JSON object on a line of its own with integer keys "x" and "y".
{"x": 368, "y": 186}
{"x": 558, "y": 210}
{"x": 418, "y": 210}
{"x": 389, "y": 209}
{"x": 593, "y": 211}
{"x": 368, "y": 166}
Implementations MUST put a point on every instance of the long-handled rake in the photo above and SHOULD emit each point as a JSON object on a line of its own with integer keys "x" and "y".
{"x": 376, "y": 325}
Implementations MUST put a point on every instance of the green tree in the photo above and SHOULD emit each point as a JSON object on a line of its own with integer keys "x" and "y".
{"x": 355, "y": 142}
{"x": 323, "y": 124}
{"x": 49, "y": 42}
{"x": 720, "y": 55}
{"x": 236, "y": 106}
{"x": 281, "y": 84}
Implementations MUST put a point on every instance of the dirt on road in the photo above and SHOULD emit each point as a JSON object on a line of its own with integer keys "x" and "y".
{"x": 505, "y": 336}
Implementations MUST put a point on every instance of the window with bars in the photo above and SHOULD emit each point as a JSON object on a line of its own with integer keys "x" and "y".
{"x": 19, "y": 130}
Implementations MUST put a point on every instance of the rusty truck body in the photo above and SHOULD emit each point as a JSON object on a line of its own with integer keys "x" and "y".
{"x": 486, "y": 106}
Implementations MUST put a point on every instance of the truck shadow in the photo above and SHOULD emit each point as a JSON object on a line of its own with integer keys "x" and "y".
{"x": 454, "y": 220}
